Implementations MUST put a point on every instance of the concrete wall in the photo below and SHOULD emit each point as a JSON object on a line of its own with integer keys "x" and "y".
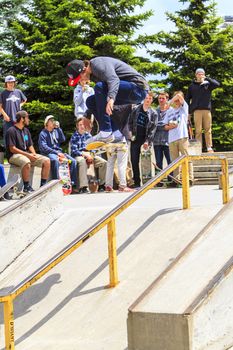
{"x": 22, "y": 222}
{"x": 190, "y": 305}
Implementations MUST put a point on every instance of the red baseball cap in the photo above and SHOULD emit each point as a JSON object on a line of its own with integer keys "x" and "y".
{"x": 74, "y": 70}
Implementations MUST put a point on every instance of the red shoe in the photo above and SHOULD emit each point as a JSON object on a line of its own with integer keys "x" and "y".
{"x": 125, "y": 189}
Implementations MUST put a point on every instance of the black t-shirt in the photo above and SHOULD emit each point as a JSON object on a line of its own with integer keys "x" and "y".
{"x": 142, "y": 122}
{"x": 18, "y": 138}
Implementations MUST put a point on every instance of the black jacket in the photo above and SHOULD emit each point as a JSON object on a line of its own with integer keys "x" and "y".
{"x": 199, "y": 94}
{"x": 151, "y": 125}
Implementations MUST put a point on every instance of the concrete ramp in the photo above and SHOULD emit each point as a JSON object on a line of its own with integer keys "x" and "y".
{"x": 189, "y": 306}
{"x": 22, "y": 221}
{"x": 70, "y": 308}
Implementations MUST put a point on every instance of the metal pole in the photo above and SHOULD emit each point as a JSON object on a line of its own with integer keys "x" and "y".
{"x": 112, "y": 254}
{"x": 9, "y": 324}
{"x": 185, "y": 184}
{"x": 225, "y": 181}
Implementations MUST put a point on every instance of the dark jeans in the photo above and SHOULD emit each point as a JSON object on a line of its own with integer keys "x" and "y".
{"x": 128, "y": 93}
{"x": 160, "y": 152}
{"x": 2, "y": 176}
{"x": 55, "y": 167}
{"x": 135, "y": 150}
{"x": 6, "y": 126}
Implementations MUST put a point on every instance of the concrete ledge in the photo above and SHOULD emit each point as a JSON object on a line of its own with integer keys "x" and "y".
{"x": 35, "y": 175}
{"x": 22, "y": 222}
{"x": 230, "y": 177}
{"x": 189, "y": 306}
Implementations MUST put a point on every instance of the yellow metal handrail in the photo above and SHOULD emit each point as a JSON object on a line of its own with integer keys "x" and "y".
{"x": 109, "y": 220}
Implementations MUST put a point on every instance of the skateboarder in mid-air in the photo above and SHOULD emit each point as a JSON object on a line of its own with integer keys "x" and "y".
{"x": 116, "y": 83}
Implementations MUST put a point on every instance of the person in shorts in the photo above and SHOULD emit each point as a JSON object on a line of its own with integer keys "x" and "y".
{"x": 20, "y": 151}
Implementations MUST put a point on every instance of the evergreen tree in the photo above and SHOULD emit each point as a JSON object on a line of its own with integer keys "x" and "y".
{"x": 199, "y": 41}
{"x": 49, "y": 33}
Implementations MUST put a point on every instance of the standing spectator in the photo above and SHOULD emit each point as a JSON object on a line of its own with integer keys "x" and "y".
{"x": 117, "y": 83}
{"x": 50, "y": 140}
{"x": 161, "y": 146}
{"x": 11, "y": 101}
{"x": 120, "y": 154}
{"x": 142, "y": 126}
{"x": 81, "y": 93}
{"x": 176, "y": 122}
{"x": 199, "y": 101}
{"x": 20, "y": 151}
{"x": 84, "y": 159}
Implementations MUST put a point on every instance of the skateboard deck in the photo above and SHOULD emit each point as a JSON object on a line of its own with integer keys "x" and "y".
{"x": 146, "y": 171}
{"x": 178, "y": 182}
{"x": 99, "y": 147}
{"x": 13, "y": 181}
{"x": 64, "y": 174}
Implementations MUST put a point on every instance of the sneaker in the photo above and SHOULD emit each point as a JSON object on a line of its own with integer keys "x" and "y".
{"x": 135, "y": 186}
{"x": 210, "y": 150}
{"x": 101, "y": 188}
{"x": 28, "y": 189}
{"x": 99, "y": 137}
{"x": 108, "y": 189}
{"x": 125, "y": 189}
{"x": 84, "y": 190}
{"x": 7, "y": 196}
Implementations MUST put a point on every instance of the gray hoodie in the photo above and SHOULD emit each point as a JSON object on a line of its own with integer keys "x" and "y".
{"x": 111, "y": 71}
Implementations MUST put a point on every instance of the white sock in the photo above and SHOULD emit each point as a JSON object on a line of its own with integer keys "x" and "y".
{"x": 105, "y": 133}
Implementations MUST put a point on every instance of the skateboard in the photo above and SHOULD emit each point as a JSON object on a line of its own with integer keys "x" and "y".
{"x": 10, "y": 184}
{"x": 99, "y": 147}
{"x": 146, "y": 171}
{"x": 166, "y": 183}
{"x": 64, "y": 174}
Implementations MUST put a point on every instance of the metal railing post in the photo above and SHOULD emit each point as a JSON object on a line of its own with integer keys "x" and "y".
{"x": 185, "y": 184}
{"x": 112, "y": 254}
{"x": 9, "y": 324}
{"x": 225, "y": 181}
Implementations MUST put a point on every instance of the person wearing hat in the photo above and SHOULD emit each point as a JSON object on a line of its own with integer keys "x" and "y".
{"x": 11, "y": 101}
{"x": 49, "y": 142}
{"x": 116, "y": 84}
{"x": 20, "y": 151}
{"x": 199, "y": 100}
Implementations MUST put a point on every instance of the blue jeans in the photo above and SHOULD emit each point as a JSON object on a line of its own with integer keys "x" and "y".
{"x": 128, "y": 93}
{"x": 160, "y": 152}
{"x": 6, "y": 126}
{"x": 2, "y": 176}
{"x": 55, "y": 167}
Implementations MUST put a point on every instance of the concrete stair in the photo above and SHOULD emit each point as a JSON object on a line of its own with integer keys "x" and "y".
{"x": 207, "y": 172}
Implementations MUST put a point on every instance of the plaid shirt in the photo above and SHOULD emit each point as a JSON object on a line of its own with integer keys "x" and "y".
{"x": 78, "y": 143}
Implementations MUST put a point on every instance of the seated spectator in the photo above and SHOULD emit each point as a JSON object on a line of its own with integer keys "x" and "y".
{"x": 120, "y": 154}
{"x": 3, "y": 181}
{"x": 176, "y": 122}
{"x": 142, "y": 127}
{"x": 84, "y": 158}
{"x": 50, "y": 140}
{"x": 20, "y": 151}
{"x": 81, "y": 93}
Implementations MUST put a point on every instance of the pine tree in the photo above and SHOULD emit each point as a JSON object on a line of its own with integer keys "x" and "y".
{"x": 49, "y": 33}
{"x": 199, "y": 41}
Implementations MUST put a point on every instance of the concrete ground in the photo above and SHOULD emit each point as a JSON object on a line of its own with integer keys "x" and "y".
{"x": 70, "y": 308}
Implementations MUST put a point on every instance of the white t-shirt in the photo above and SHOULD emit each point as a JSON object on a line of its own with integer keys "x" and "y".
{"x": 179, "y": 115}
{"x": 80, "y": 96}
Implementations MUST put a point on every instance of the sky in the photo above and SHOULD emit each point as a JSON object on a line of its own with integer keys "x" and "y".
{"x": 159, "y": 22}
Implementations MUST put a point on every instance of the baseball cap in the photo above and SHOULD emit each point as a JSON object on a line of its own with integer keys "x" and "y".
{"x": 73, "y": 70}
{"x": 9, "y": 78}
{"x": 48, "y": 118}
{"x": 200, "y": 70}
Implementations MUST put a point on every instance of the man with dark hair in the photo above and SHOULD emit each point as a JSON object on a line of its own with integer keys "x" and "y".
{"x": 116, "y": 83}
{"x": 11, "y": 101}
{"x": 20, "y": 151}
